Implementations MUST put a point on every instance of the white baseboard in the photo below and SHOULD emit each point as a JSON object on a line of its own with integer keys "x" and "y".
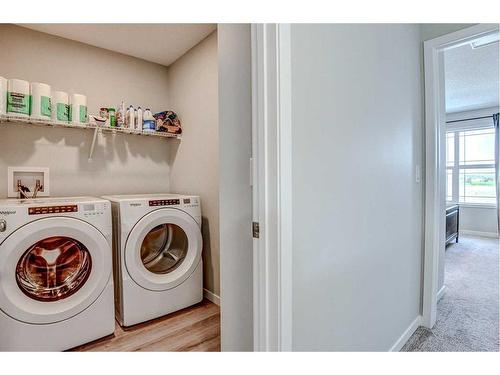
{"x": 440, "y": 294}
{"x": 406, "y": 335}
{"x": 476, "y": 233}
{"x": 212, "y": 297}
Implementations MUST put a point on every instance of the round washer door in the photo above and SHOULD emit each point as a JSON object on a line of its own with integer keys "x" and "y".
{"x": 163, "y": 249}
{"x": 52, "y": 269}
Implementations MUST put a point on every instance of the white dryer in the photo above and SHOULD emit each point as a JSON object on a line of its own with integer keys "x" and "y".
{"x": 157, "y": 247}
{"x": 56, "y": 289}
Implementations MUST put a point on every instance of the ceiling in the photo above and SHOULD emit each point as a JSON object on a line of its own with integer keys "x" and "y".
{"x": 471, "y": 77}
{"x": 159, "y": 43}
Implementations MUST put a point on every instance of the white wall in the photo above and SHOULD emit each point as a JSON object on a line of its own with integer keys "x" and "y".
{"x": 235, "y": 130}
{"x": 433, "y": 30}
{"x": 478, "y": 220}
{"x": 106, "y": 77}
{"x": 357, "y": 210}
{"x": 192, "y": 81}
{"x": 122, "y": 164}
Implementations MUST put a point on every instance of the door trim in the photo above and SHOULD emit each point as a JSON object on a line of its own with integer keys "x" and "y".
{"x": 435, "y": 119}
{"x": 272, "y": 186}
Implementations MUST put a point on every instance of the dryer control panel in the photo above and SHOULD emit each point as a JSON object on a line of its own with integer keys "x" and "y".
{"x": 164, "y": 202}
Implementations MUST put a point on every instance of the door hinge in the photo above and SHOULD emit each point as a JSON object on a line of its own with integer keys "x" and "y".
{"x": 255, "y": 229}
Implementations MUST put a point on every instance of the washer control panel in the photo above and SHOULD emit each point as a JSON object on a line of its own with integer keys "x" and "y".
{"x": 45, "y": 210}
{"x": 191, "y": 202}
{"x": 164, "y": 202}
{"x": 91, "y": 210}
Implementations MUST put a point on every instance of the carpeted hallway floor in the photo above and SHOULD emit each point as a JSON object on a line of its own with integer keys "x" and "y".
{"x": 468, "y": 313}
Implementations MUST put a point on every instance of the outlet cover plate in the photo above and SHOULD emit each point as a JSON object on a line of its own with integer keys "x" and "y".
{"x": 28, "y": 177}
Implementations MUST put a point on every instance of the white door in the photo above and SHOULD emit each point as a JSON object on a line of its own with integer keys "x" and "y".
{"x": 52, "y": 269}
{"x": 163, "y": 249}
{"x": 235, "y": 197}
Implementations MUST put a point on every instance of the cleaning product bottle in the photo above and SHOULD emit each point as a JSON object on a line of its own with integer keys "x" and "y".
{"x": 120, "y": 116}
{"x": 130, "y": 118}
{"x": 138, "y": 119}
{"x": 149, "y": 121}
{"x": 112, "y": 117}
{"x": 127, "y": 117}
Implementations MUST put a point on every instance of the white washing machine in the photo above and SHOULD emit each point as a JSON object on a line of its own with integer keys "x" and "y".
{"x": 56, "y": 289}
{"x": 157, "y": 247}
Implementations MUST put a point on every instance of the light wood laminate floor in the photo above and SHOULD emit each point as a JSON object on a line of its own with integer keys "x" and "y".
{"x": 196, "y": 328}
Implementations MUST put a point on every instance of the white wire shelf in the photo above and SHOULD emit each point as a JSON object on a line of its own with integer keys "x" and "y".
{"x": 36, "y": 122}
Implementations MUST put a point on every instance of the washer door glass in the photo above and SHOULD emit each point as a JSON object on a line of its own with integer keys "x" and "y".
{"x": 164, "y": 248}
{"x": 53, "y": 269}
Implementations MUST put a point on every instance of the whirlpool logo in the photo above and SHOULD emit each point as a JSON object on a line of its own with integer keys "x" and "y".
{"x": 135, "y": 204}
{"x": 6, "y": 213}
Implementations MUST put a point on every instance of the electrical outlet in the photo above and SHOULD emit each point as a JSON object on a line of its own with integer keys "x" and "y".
{"x": 28, "y": 177}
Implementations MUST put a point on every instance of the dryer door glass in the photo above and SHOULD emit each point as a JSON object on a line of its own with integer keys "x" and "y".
{"x": 53, "y": 268}
{"x": 164, "y": 248}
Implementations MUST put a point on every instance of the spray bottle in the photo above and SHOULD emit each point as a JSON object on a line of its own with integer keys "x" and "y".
{"x": 120, "y": 116}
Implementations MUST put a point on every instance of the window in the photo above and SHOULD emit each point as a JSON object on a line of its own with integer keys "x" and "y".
{"x": 470, "y": 166}
{"x": 450, "y": 165}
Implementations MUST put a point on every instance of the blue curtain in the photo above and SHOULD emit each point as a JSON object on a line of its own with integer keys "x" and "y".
{"x": 497, "y": 168}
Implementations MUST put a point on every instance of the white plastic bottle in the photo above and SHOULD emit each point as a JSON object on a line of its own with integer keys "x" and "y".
{"x": 148, "y": 123}
{"x": 138, "y": 119}
{"x": 127, "y": 118}
{"x": 131, "y": 117}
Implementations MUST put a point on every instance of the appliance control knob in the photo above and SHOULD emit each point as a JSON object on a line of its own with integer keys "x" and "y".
{"x": 3, "y": 225}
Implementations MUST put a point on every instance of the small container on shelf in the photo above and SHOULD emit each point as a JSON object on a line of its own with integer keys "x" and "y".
{"x": 78, "y": 109}
{"x": 139, "y": 119}
{"x": 95, "y": 120}
{"x": 112, "y": 117}
{"x": 130, "y": 118}
{"x": 41, "y": 103}
{"x": 18, "y": 98}
{"x": 60, "y": 106}
{"x": 149, "y": 124}
{"x": 120, "y": 116}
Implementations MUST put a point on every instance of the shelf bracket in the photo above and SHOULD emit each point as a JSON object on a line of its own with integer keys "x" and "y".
{"x": 94, "y": 140}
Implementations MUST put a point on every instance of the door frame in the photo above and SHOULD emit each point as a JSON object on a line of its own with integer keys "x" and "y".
{"x": 272, "y": 186}
{"x": 435, "y": 159}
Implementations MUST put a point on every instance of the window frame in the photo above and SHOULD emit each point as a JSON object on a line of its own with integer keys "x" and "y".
{"x": 456, "y": 168}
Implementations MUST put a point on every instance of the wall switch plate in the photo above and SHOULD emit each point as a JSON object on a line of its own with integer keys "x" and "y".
{"x": 28, "y": 177}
